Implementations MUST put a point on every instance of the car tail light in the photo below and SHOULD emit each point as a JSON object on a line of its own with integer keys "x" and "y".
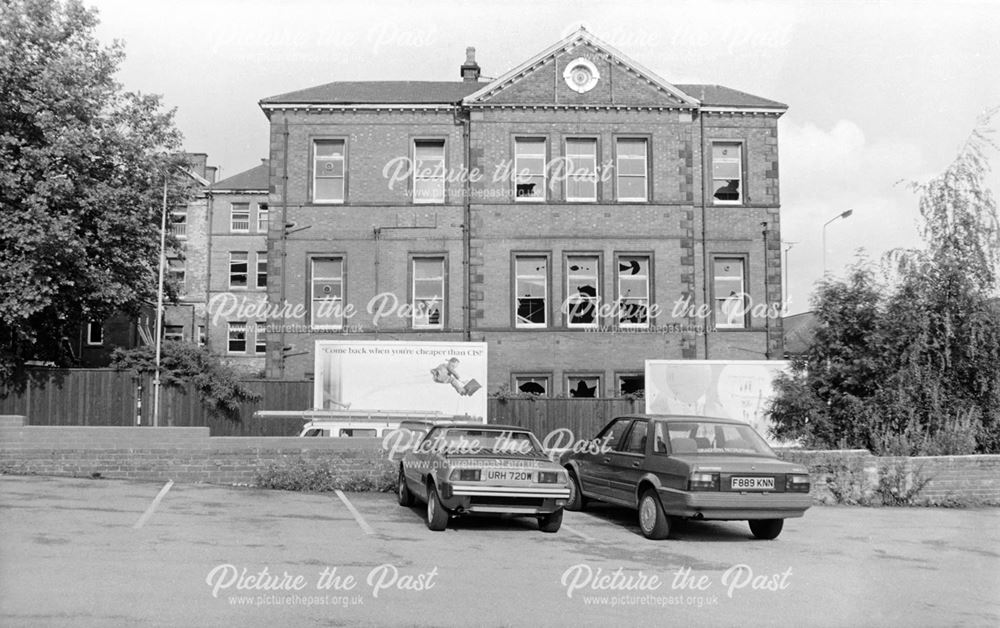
{"x": 548, "y": 477}
{"x": 797, "y": 483}
{"x": 703, "y": 482}
{"x": 466, "y": 475}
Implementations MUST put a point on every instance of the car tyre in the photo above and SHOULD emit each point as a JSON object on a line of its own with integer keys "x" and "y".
{"x": 576, "y": 499}
{"x": 437, "y": 516}
{"x": 766, "y": 529}
{"x": 403, "y": 494}
{"x": 653, "y": 522}
{"x": 551, "y": 522}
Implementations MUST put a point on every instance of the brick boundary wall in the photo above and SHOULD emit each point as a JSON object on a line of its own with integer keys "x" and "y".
{"x": 189, "y": 454}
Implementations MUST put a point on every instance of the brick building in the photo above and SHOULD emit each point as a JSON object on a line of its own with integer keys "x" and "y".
{"x": 579, "y": 213}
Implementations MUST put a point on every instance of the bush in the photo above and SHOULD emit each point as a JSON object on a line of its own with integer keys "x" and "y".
{"x": 320, "y": 476}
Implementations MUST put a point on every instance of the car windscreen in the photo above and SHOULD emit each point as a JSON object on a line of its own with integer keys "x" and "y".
{"x": 470, "y": 440}
{"x": 706, "y": 437}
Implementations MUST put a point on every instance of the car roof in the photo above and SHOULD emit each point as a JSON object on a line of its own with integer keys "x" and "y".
{"x": 682, "y": 418}
{"x": 486, "y": 426}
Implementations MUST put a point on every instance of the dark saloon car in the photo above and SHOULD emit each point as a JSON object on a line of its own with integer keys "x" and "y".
{"x": 670, "y": 467}
{"x": 470, "y": 468}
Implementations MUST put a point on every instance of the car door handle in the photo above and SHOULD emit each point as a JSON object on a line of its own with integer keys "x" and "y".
{"x": 636, "y": 464}
{"x": 607, "y": 460}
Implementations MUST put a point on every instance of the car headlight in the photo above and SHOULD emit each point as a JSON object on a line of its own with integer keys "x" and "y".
{"x": 549, "y": 477}
{"x": 703, "y": 482}
{"x": 796, "y": 483}
{"x": 466, "y": 475}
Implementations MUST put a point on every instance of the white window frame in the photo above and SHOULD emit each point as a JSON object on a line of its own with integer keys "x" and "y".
{"x": 260, "y": 338}
{"x": 173, "y": 336}
{"x": 621, "y": 296}
{"x": 246, "y": 272}
{"x": 524, "y": 378}
{"x": 178, "y": 223}
{"x": 544, "y": 276}
{"x": 436, "y": 174}
{"x": 531, "y": 141}
{"x": 313, "y": 300}
{"x": 235, "y": 327}
{"x": 316, "y": 170}
{"x": 571, "y": 166}
{"x": 261, "y": 259}
{"x": 417, "y": 317}
{"x": 618, "y": 171}
{"x": 91, "y": 326}
{"x": 573, "y": 278}
{"x": 737, "y": 147}
{"x": 263, "y": 218}
{"x": 742, "y": 294}
{"x": 239, "y": 217}
{"x": 584, "y": 376}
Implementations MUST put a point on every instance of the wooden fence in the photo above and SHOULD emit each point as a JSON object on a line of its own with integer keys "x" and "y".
{"x": 109, "y": 397}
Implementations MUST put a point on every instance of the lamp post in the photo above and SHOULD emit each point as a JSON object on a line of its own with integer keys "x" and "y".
{"x": 786, "y": 295}
{"x": 159, "y": 306}
{"x": 841, "y": 215}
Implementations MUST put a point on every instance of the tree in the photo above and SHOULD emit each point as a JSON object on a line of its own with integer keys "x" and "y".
{"x": 911, "y": 365}
{"x": 82, "y": 167}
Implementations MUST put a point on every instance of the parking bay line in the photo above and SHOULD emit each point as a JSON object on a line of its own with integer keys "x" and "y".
{"x": 367, "y": 529}
{"x": 152, "y": 507}
{"x": 582, "y": 535}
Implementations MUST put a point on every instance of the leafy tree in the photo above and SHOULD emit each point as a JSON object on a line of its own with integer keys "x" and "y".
{"x": 911, "y": 365}
{"x": 183, "y": 363}
{"x": 82, "y": 166}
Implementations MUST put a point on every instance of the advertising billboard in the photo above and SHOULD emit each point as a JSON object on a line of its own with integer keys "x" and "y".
{"x": 732, "y": 389}
{"x": 445, "y": 377}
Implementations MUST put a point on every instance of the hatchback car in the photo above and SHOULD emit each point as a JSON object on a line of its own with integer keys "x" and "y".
{"x": 671, "y": 467}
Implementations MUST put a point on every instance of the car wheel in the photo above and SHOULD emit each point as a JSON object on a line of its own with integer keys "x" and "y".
{"x": 576, "y": 499}
{"x": 403, "y": 494}
{"x": 551, "y": 522}
{"x": 766, "y": 529}
{"x": 653, "y": 522}
{"x": 437, "y": 516}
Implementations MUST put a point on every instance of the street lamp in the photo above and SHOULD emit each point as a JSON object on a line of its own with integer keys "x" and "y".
{"x": 842, "y": 215}
{"x": 788, "y": 248}
{"x": 159, "y": 306}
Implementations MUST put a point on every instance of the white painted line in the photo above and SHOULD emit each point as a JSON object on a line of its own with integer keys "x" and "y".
{"x": 582, "y": 535}
{"x": 152, "y": 507}
{"x": 354, "y": 511}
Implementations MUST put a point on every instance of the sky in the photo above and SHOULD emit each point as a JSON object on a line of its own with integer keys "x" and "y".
{"x": 879, "y": 93}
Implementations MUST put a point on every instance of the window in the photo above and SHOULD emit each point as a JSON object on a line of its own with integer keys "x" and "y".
{"x": 173, "y": 332}
{"x": 263, "y": 216}
{"x": 582, "y": 290}
{"x": 581, "y": 170}
{"x": 428, "y": 292}
{"x": 631, "y": 383}
{"x": 531, "y": 291}
{"x": 612, "y": 434}
{"x": 727, "y": 173}
{"x": 237, "y": 337}
{"x": 260, "y": 338}
{"x": 428, "y": 171}
{"x": 631, "y": 168}
{"x": 178, "y": 223}
{"x": 202, "y": 339}
{"x": 637, "y": 438}
{"x": 529, "y": 169}
{"x": 328, "y": 171}
{"x": 95, "y": 333}
{"x": 729, "y": 293}
{"x": 261, "y": 269}
{"x": 239, "y": 221}
{"x": 176, "y": 272}
{"x": 327, "y": 293}
{"x": 532, "y": 384}
{"x": 633, "y": 291}
{"x": 581, "y": 386}
{"x": 238, "y": 269}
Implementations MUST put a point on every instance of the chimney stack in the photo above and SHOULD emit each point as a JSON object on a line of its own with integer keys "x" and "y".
{"x": 470, "y": 69}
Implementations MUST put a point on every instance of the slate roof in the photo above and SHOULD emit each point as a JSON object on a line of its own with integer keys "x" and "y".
{"x": 252, "y": 179}
{"x": 719, "y": 96}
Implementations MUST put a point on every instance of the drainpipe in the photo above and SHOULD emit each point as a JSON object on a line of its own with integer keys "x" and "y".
{"x": 209, "y": 211}
{"x": 284, "y": 247}
{"x": 767, "y": 303}
{"x": 704, "y": 227}
{"x": 467, "y": 229}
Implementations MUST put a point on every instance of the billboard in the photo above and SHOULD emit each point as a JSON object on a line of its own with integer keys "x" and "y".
{"x": 732, "y": 389}
{"x": 445, "y": 377}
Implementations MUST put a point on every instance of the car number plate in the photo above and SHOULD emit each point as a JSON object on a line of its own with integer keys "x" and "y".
{"x": 508, "y": 476}
{"x": 753, "y": 484}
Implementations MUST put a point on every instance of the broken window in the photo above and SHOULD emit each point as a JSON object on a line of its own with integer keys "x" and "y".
{"x": 531, "y": 291}
{"x": 583, "y": 385}
{"x": 532, "y": 384}
{"x": 727, "y": 172}
{"x": 260, "y": 338}
{"x": 173, "y": 332}
{"x": 581, "y": 169}
{"x": 178, "y": 223}
{"x": 328, "y": 171}
{"x": 428, "y": 171}
{"x": 261, "y": 269}
{"x": 239, "y": 220}
{"x": 631, "y": 168}
{"x": 729, "y": 294}
{"x": 238, "y": 269}
{"x": 327, "y": 292}
{"x": 582, "y": 290}
{"x": 631, "y": 384}
{"x": 529, "y": 169}
{"x": 237, "y": 337}
{"x": 633, "y": 290}
{"x": 428, "y": 292}
{"x": 95, "y": 333}
{"x": 176, "y": 272}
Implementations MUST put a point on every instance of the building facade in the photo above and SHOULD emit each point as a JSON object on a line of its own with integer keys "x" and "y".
{"x": 579, "y": 214}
